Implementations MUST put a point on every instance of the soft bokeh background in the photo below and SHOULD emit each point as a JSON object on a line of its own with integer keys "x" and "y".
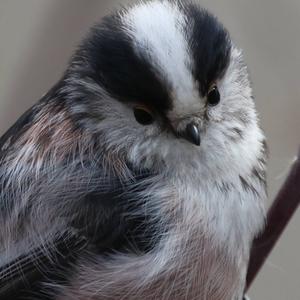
{"x": 38, "y": 36}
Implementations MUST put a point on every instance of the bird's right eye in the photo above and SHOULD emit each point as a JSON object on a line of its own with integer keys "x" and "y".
{"x": 143, "y": 116}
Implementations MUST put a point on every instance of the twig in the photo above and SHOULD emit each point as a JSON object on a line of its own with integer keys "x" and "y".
{"x": 279, "y": 215}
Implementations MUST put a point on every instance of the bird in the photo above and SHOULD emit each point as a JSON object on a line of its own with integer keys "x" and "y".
{"x": 148, "y": 155}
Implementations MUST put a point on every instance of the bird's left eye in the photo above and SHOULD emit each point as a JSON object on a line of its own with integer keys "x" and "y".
{"x": 213, "y": 96}
{"x": 143, "y": 116}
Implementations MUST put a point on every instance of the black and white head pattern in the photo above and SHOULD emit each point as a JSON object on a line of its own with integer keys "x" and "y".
{"x": 165, "y": 57}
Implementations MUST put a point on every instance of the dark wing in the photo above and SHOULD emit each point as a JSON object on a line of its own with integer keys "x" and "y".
{"x": 23, "y": 276}
{"x": 51, "y": 169}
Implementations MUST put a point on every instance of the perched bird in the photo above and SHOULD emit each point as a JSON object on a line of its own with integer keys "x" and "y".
{"x": 149, "y": 150}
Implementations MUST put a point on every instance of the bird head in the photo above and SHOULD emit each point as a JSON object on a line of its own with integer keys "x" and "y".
{"x": 162, "y": 81}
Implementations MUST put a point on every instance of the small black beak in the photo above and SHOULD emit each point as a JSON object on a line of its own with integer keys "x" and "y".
{"x": 192, "y": 134}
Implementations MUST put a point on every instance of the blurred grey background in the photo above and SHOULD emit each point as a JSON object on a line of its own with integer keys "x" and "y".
{"x": 37, "y": 38}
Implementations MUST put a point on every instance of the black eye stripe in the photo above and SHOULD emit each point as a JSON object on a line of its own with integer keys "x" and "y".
{"x": 210, "y": 45}
{"x": 109, "y": 56}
